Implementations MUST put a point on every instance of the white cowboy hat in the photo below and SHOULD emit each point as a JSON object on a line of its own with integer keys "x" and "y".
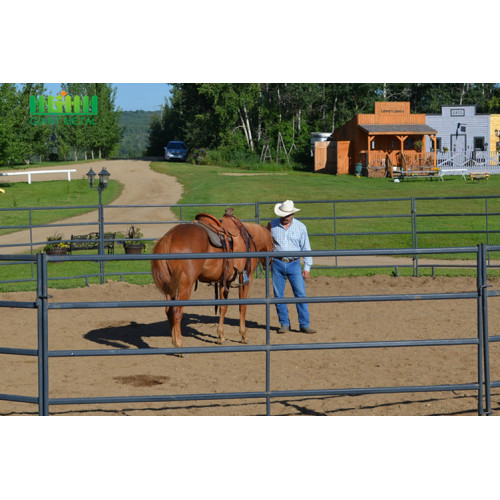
{"x": 285, "y": 208}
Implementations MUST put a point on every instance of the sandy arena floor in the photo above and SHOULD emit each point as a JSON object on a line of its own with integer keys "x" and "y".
{"x": 217, "y": 373}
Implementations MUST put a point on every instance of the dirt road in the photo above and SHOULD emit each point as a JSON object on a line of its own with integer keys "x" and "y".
{"x": 142, "y": 186}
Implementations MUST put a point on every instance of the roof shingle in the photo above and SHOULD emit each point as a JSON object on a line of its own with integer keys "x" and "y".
{"x": 399, "y": 129}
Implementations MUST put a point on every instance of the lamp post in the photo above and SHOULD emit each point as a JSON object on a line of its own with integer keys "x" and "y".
{"x": 102, "y": 184}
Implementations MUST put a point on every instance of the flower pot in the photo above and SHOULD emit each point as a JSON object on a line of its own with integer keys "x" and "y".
{"x": 133, "y": 249}
{"x": 57, "y": 251}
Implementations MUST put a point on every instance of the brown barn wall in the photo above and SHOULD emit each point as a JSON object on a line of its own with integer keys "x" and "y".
{"x": 386, "y": 113}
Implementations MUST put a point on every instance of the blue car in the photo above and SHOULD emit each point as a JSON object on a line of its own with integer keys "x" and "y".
{"x": 176, "y": 150}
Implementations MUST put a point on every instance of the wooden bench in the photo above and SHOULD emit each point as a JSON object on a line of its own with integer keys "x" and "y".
{"x": 477, "y": 176}
{"x": 416, "y": 174}
{"x": 91, "y": 242}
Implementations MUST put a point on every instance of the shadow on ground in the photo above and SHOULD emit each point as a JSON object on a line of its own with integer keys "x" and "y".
{"x": 135, "y": 334}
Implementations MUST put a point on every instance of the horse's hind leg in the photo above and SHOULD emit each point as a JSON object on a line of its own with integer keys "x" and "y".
{"x": 174, "y": 315}
{"x": 223, "y": 310}
{"x": 244, "y": 289}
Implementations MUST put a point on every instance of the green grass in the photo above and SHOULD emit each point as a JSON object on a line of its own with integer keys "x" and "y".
{"x": 207, "y": 184}
{"x": 49, "y": 194}
{"x": 27, "y": 271}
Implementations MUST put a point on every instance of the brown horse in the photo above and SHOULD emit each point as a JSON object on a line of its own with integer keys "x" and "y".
{"x": 176, "y": 278}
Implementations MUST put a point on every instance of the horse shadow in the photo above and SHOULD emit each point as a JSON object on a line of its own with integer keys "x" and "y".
{"x": 133, "y": 335}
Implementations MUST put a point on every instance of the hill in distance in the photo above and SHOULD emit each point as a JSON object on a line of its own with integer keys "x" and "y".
{"x": 135, "y": 135}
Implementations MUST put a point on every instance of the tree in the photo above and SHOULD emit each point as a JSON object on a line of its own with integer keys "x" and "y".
{"x": 156, "y": 138}
{"x": 102, "y": 136}
{"x": 245, "y": 117}
{"x": 10, "y": 148}
{"x": 19, "y": 138}
{"x": 33, "y": 138}
{"x": 108, "y": 131}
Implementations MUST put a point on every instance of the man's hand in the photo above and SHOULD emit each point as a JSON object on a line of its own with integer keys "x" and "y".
{"x": 305, "y": 274}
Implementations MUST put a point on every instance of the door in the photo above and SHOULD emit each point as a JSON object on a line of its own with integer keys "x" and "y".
{"x": 458, "y": 143}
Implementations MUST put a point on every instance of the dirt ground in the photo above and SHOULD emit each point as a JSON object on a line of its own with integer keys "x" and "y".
{"x": 217, "y": 373}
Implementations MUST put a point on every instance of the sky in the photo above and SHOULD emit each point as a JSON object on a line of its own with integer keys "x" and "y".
{"x": 131, "y": 96}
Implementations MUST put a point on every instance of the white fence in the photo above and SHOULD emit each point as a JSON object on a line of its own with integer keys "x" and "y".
{"x": 29, "y": 173}
{"x": 455, "y": 163}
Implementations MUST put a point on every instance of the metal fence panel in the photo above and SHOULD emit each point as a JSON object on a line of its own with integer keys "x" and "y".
{"x": 483, "y": 384}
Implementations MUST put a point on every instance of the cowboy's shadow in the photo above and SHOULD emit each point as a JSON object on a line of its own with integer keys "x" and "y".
{"x": 133, "y": 334}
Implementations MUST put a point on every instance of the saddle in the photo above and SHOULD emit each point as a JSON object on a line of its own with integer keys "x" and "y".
{"x": 230, "y": 235}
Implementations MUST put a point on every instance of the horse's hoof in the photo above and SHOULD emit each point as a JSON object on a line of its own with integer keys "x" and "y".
{"x": 245, "y": 341}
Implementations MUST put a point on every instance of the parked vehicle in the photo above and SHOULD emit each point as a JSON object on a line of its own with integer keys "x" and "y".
{"x": 176, "y": 150}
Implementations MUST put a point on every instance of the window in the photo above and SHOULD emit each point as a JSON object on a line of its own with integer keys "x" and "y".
{"x": 438, "y": 143}
{"x": 478, "y": 143}
{"x": 409, "y": 143}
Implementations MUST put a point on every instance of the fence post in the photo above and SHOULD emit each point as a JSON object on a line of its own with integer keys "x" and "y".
{"x": 31, "y": 242}
{"x": 487, "y": 227}
{"x": 335, "y": 230}
{"x": 414, "y": 233}
{"x": 483, "y": 299}
{"x": 268, "y": 339}
{"x": 101, "y": 236}
{"x": 43, "y": 344}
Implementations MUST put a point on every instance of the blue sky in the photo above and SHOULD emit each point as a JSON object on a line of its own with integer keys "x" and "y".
{"x": 131, "y": 96}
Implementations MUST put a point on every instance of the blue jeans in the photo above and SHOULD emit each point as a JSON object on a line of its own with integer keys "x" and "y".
{"x": 293, "y": 272}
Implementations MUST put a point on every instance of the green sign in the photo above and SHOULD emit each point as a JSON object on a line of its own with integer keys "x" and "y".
{"x": 72, "y": 110}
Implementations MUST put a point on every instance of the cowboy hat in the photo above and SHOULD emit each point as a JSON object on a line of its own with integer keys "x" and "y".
{"x": 284, "y": 209}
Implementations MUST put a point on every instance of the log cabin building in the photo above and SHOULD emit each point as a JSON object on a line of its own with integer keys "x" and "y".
{"x": 375, "y": 144}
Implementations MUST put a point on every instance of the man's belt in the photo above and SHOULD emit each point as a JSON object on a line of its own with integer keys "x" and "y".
{"x": 287, "y": 259}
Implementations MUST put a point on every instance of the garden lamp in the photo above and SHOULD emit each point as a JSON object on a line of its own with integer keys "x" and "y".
{"x": 103, "y": 184}
{"x": 91, "y": 176}
{"x": 103, "y": 178}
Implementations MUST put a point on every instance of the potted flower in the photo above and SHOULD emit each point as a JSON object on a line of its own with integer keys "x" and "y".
{"x": 418, "y": 145}
{"x": 55, "y": 245}
{"x": 133, "y": 242}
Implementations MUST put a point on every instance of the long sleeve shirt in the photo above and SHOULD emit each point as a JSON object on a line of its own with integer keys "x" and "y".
{"x": 293, "y": 239}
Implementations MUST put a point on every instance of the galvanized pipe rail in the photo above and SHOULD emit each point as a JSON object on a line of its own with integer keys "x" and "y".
{"x": 413, "y": 215}
{"x": 483, "y": 384}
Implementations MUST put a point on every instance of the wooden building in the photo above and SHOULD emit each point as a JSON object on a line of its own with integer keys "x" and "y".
{"x": 392, "y": 137}
{"x": 495, "y": 133}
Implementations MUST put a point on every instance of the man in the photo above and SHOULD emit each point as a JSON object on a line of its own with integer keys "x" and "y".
{"x": 289, "y": 234}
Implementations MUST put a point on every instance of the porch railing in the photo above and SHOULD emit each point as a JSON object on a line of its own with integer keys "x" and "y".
{"x": 469, "y": 161}
{"x": 380, "y": 162}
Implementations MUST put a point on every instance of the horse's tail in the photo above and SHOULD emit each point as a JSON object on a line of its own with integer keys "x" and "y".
{"x": 164, "y": 279}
